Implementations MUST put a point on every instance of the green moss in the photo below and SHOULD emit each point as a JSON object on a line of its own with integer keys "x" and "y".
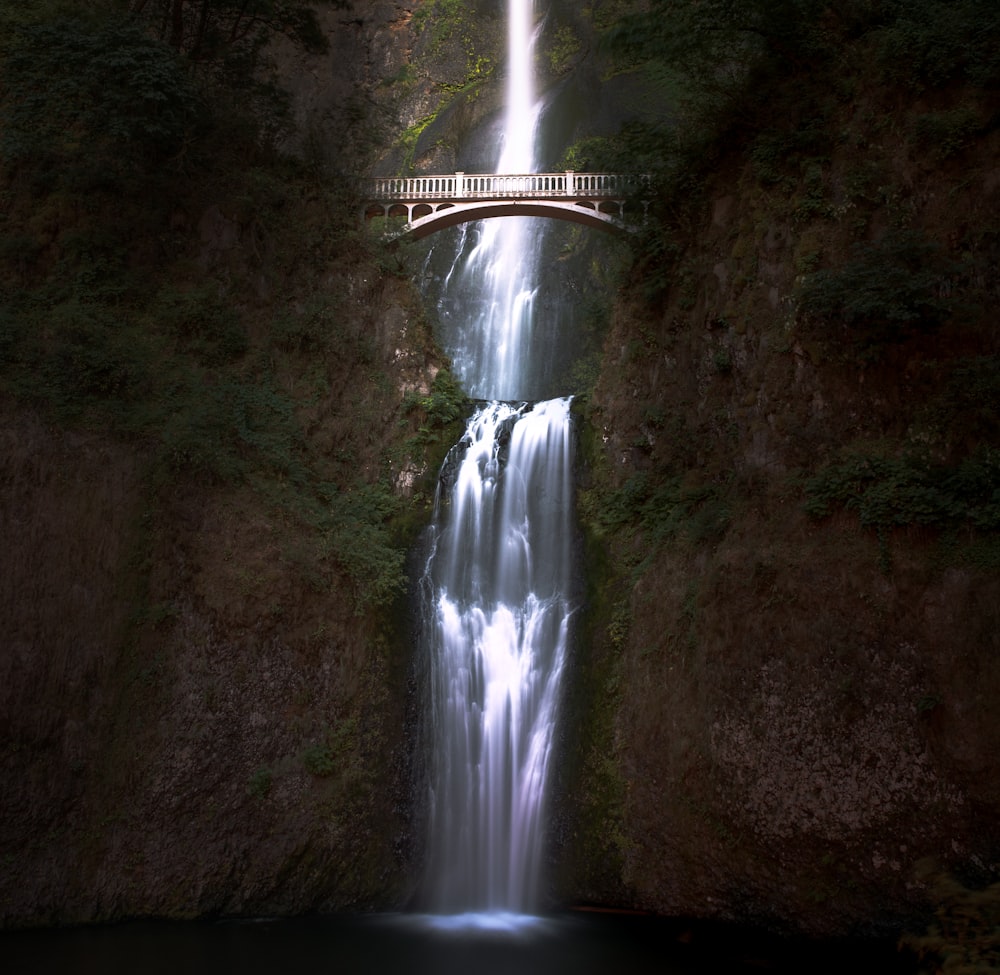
{"x": 447, "y": 23}
{"x": 409, "y": 139}
{"x": 563, "y": 50}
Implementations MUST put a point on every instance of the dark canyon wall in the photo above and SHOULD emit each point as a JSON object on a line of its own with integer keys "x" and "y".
{"x": 793, "y": 669}
{"x": 220, "y": 399}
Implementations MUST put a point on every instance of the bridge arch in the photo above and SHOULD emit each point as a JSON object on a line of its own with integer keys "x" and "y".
{"x": 451, "y": 215}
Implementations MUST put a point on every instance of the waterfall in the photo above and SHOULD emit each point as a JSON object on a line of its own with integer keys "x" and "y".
{"x": 497, "y": 584}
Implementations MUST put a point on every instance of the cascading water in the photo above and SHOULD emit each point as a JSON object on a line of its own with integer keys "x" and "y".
{"x": 498, "y": 580}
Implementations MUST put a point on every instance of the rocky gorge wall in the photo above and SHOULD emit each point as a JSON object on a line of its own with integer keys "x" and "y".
{"x": 197, "y": 716}
{"x": 207, "y": 490}
{"x": 793, "y": 697}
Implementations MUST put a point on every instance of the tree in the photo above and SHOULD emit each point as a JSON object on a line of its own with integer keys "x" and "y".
{"x": 715, "y": 45}
{"x": 209, "y": 29}
{"x": 100, "y": 84}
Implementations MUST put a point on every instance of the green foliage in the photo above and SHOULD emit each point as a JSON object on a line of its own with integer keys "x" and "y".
{"x": 456, "y": 25}
{"x": 219, "y": 29}
{"x": 943, "y": 134}
{"x": 75, "y": 87}
{"x": 314, "y": 329}
{"x": 896, "y": 492}
{"x": 564, "y": 49}
{"x": 228, "y": 430}
{"x": 620, "y": 625}
{"x": 447, "y": 401}
{"x": 778, "y": 152}
{"x": 969, "y": 405}
{"x": 408, "y": 139}
{"x": 104, "y": 125}
{"x": 887, "y": 291}
{"x": 318, "y": 760}
{"x": 606, "y": 13}
{"x": 723, "y": 362}
{"x": 718, "y": 45}
{"x": 594, "y": 153}
{"x": 202, "y": 322}
{"x": 134, "y": 81}
{"x": 259, "y": 786}
{"x": 72, "y": 356}
{"x": 15, "y": 14}
{"x": 356, "y": 533}
{"x": 154, "y": 374}
{"x": 930, "y": 43}
{"x": 660, "y": 511}
{"x": 442, "y": 17}
{"x": 333, "y": 752}
{"x": 765, "y": 74}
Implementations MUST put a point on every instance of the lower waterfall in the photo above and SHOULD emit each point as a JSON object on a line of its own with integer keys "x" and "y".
{"x": 497, "y": 608}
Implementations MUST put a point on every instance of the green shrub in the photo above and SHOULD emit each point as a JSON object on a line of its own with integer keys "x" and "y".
{"x": 780, "y": 152}
{"x": 723, "y": 362}
{"x": 564, "y": 50}
{"x": 944, "y": 134}
{"x": 661, "y": 510}
{"x": 930, "y": 43}
{"x": 334, "y": 752}
{"x": 892, "y": 492}
{"x": 73, "y": 357}
{"x": 259, "y": 786}
{"x": 885, "y": 293}
{"x": 970, "y": 401}
{"x": 358, "y": 537}
{"x": 316, "y": 328}
{"x": 73, "y": 85}
{"x": 899, "y": 492}
{"x": 202, "y": 322}
{"x": 447, "y": 401}
{"x": 318, "y": 760}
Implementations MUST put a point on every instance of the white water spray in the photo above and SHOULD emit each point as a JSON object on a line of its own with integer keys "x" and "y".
{"x": 498, "y": 579}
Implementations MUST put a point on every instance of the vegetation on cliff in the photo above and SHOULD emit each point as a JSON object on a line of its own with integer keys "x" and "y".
{"x": 156, "y": 280}
{"x": 793, "y": 466}
{"x": 220, "y": 399}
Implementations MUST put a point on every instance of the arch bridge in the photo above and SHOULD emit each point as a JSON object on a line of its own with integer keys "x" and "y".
{"x": 431, "y": 203}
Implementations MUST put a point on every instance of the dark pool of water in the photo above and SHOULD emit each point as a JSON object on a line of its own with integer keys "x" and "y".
{"x": 583, "y": 944}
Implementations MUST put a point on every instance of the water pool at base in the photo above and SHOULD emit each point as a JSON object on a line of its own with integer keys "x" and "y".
{"x": 488, "y": 944}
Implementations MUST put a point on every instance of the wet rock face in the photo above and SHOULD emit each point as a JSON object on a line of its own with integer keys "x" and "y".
{"x": 342, "y": 109}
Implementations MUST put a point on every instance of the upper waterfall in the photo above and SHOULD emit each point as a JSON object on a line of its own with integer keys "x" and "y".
{"x": 518, "y": 153}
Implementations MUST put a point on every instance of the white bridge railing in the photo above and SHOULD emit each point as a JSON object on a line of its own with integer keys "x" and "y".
{"x": 464, "y": 186}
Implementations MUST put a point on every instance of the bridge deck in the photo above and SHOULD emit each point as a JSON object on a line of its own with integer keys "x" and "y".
{"x": 493, "y": 186}
{"x": 431, "y": 203}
